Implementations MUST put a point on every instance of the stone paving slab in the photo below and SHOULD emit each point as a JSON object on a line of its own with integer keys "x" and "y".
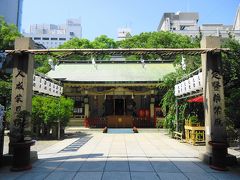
{"x": 98, "y": 156}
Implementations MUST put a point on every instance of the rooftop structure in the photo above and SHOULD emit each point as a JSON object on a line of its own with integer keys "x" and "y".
{"x": 179, "y": 21}
{"x": 51, "y": 35}
{"x": 124, "y": 33}
{"x": 186, "y": 23}
{"x": 111, "y": 71}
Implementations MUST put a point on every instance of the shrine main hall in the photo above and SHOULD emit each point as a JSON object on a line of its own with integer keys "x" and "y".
{"x": 115, "y": 93}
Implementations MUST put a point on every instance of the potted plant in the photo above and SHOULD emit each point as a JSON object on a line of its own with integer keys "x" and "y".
{"x": 193, "y": 120}
{"x": 20, "y": 143}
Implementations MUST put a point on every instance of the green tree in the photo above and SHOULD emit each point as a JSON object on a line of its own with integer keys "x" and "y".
{"x": 47, "y": 111}
{"x": 8, "y": 33}
{"x": 231, "y": 79}
{"x": 65, "y": 110}
{"x": 103, "y": 42}
{"x": 231, "y": 64}
{"x": 160, "y": 39}
{"x": 75, "y": 43}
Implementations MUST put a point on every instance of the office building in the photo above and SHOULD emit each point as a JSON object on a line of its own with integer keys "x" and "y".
{"x": 186, "y": 23}
{"x": 11, "y": 10}
{"x": 51, "y": 35}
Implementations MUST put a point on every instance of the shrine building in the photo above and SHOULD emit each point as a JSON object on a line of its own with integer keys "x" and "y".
{"x": 113, "y": 93}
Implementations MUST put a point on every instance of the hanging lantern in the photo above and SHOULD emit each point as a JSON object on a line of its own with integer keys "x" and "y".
{"x": 200, "y": 76}
{"x": 181, "y": 88}
{"x": 196, "y": 80}
{"x": 192, "y": 84}
{"x": 184, "y": 87}
{"x": 176, "y": 90}
{"x": 187, "y": 86}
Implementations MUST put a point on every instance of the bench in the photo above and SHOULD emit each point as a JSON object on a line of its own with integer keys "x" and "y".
{"x": 177, "y": 135}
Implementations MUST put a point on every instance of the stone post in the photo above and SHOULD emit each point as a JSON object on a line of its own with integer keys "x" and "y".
{"x": 22, "y": 81}
{"x": 215, "y": 126}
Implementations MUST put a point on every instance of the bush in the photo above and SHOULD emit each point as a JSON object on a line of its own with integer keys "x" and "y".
{"x": 47, "y": 111}
{"x": 160, "y": 123}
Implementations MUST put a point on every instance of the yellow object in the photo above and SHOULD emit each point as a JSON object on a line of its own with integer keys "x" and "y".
{"x": 195, "y": 134}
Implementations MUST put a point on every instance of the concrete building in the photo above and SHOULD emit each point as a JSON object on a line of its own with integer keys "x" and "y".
{"x": 11, "y": 10}
{"x": 186, "y": 23}
{"x": 179, "y": 21}
{"x": 51, "y": 35}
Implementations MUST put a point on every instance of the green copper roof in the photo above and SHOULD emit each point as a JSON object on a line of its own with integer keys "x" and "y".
{"x": 111, "y": 72}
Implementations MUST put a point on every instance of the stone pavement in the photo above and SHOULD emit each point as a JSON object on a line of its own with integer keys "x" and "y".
{"x": 98, "y": 156}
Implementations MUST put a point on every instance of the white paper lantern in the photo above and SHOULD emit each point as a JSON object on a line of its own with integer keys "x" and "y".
{"x": 184, "y": 87}
{"x": 196, "y": 81}
{"x": 188, "y": 88}
{"x": 200, "y": 76}
{"x": 191, "y": 84}
{"x": 176, "y": 90}
{"x": 181, "y": 88}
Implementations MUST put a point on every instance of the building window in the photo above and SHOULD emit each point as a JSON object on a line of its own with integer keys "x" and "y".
{"x": 54, "y": 39}
{"x": 37, "y": 38}
{"x": 45, "y": 38}
{"x": 62, "y": 39}
{"x": 71, "y": 33}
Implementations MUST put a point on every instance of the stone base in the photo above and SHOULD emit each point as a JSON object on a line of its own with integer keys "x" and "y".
{"x": 7, "y": 158}
{"x": 230, "y": 159}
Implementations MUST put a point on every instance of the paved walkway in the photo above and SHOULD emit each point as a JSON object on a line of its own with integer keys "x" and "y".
{"x": 98, "y": 156}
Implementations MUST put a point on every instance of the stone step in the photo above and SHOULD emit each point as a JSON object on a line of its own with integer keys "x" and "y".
{"x": 76, "y": 122}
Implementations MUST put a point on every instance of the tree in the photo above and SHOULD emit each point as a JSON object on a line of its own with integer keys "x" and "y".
{"x": 160, "y": 39}
{"x": 41, "y": 63}
{"x": 231, "y": 80}
{"x": 231, "y": 64}
{"x": 76, "y": 43}
{"x": 8, "y": 33}
{"x": 65, "y": 110}
{"x": 103, "y": 42}
{"x": 47, "y": 111}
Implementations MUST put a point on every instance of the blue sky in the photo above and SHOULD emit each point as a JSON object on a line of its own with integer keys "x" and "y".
{"x": 106, "y": 16}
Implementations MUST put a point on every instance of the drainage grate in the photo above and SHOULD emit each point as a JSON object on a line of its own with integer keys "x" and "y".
{"x": 76, "y": 145}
